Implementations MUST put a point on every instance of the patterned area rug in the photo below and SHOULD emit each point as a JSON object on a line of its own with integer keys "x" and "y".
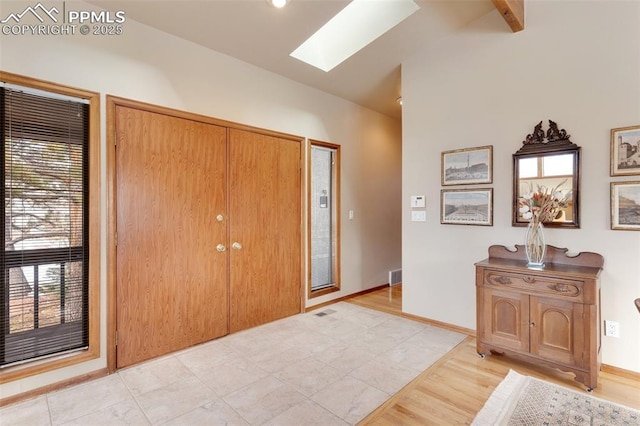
{"x": 524, "y": 400}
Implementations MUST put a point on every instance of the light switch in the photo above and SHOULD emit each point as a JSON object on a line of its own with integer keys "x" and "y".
{"x": 417, "y": 201}
{"x": 419, "y": 216}
{"x": 350, "y": 214}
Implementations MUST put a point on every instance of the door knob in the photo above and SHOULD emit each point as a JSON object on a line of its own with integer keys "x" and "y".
{"x": 221, "y": 247}
{"x": 236, "y": 246}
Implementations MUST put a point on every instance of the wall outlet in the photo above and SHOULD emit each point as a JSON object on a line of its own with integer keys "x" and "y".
{"x": 611, "y": 329}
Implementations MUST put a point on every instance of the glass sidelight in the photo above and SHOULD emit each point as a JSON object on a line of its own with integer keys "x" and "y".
{"x": 324, "y": 215}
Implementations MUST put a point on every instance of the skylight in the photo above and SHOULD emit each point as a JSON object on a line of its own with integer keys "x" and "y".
{"x": 354, "y": 27}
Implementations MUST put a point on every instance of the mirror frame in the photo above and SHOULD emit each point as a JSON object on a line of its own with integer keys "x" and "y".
{"x": 539, "y": 144}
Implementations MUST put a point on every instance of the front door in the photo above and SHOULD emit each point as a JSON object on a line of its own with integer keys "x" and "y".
{"x": 265, "y": 227}
{"x": 170, "y": 188}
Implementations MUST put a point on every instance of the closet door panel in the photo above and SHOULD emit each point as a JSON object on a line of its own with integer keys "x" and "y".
{"x": 265, "y": 227}
{"x": 171, "y": 288}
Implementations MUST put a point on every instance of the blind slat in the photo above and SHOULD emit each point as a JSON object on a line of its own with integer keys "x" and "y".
{"x": 44, "y": 167}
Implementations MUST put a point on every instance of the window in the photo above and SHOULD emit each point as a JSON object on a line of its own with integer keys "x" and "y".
{"x": 324, "y": 213}
{"x": 546, "y": 166}
{"x": 557, "y": 165}
{"x": 44, "y": 302}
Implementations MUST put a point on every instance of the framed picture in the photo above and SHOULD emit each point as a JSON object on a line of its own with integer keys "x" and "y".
{"x": 625, "y": 205}
{"x": 467, "y": 166}
{"x": 625, "y": 151}
{"x": 466, "y": 206}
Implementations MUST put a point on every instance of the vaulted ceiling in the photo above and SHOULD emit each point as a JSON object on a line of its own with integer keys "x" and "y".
{"x": 257, "y": 33}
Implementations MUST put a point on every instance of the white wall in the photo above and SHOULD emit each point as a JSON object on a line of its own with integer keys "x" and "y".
{"x": 577, "y": 63}
{"x": 150, "y": 66}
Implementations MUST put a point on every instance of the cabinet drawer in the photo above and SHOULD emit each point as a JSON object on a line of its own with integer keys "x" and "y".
{"x": 535, "y": 284}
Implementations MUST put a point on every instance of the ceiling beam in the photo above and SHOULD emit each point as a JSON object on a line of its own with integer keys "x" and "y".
{"x": 513, "y": 12}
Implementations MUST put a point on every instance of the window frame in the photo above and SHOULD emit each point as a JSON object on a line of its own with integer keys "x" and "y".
{"x": 54, "y": 362}
{"x": 336, "y": 214}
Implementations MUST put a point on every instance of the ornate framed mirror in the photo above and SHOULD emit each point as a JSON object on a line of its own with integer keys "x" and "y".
{"x": 547, "y": 167}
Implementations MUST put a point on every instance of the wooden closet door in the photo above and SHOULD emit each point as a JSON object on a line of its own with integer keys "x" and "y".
{"x": 264, "y": 212}
{"x": 171, "y": 281}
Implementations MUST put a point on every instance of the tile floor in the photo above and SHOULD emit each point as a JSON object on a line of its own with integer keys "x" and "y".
{"x": 331, "y": 369}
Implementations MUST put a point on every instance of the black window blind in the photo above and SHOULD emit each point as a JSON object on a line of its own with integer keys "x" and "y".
{"x": 44, "y": 306}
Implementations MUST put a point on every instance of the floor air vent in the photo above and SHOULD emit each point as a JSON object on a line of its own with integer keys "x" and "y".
{"x": 325, "y": 312}
{"x": 395, "y": 277}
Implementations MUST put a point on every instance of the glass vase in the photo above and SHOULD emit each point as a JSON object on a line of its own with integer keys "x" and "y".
{"x": 534, "y": 245}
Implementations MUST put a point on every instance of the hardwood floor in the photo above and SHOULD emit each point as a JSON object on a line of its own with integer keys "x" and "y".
{"x": 455, "y": 388}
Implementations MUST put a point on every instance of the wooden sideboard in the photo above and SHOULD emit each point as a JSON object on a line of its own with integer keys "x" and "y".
{"x": 548, "y": 316}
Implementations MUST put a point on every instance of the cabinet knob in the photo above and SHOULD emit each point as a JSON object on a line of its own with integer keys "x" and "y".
{"x": 236, "y": 246}
{"x": 532, "y": 324}
{"x": 221, "y": 247}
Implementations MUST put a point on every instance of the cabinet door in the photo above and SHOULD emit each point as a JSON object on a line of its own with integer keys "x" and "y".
{"x": 506, "y": 319}
{"x": 557, "y": 330}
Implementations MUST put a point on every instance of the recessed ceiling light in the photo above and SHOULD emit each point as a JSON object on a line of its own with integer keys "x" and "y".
{"x": 278, "y": 3}
{"x": 354, "y": 27}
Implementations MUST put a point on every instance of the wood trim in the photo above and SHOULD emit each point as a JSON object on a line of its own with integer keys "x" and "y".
{"x": 621, "y": 372}
{"x": 323, "y": 291}
{"x": 337, "y": 236}
{"x": 37, "y": 367}
{"x": 95, "y": 225}
{"x": 111, "y": 233}
{"x": 199, "y": 117}
{"x": 307, "y": 228}
{"x": 513, "y": 13}
{"x": 305, "y": 266}
{"x": 440, "y": 324}
{"x": 227, "y": 209}
{"x": 53, "y": 387}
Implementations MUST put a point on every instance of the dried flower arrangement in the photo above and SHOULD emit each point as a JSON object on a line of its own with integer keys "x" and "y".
{"x": 544, "y": 204}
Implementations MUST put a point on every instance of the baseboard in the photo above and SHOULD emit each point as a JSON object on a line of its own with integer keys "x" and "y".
{"x": 616, "y": 371}
{"x": 53, "y": 387}
{"x": 441, "y": 324}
